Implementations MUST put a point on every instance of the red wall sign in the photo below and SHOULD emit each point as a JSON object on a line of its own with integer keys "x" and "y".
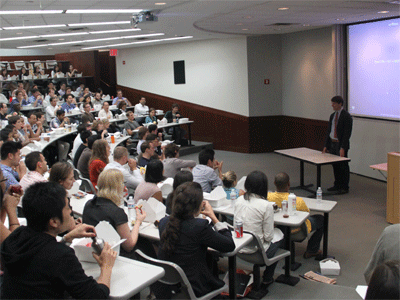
{"x": 113, "y": 52}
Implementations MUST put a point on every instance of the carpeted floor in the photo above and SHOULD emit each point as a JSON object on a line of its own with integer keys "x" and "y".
{"x": 354, "y": 227}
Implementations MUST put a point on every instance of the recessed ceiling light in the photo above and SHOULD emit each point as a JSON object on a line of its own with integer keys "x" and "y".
{"x": 34, "y": 27}
{"x": 18, "y": 33}
{"x": 244, "y": 29}
{"x": 99, "y": 23}
{"x": 114, "y": 31}
{"x": 383, "y": 12}
{"x": 283, "y": 8}
{"x": 30, "y": 12}
{"x": 160, "y": 3}
{"x": 61, "y": 39}
{"x": 103, "y": 11}
{"x": 20, "y": 38}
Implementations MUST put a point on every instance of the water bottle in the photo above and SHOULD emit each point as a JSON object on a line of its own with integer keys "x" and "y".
{"x": 232, "y": 197}
{"x": 292, "y": 204}
{"x": 319, "y": 195}
{"x": 97, "y": 245}
{"x": 131, "y": 209}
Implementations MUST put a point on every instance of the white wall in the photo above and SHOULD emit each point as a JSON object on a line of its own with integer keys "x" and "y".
{"x": 216, "y": 72}
{"x": 27, "y": 52}
{"x": 308, "y": 74}
{"x": 265, "y": 62}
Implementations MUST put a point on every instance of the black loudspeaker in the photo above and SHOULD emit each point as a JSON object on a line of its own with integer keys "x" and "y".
{"x": 179, "y": 72}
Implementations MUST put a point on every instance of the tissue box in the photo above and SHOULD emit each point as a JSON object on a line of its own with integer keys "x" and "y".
{"x": 329, "y": 266}
{"x": 217, "y": 197}
{"x": 104, "y": 231}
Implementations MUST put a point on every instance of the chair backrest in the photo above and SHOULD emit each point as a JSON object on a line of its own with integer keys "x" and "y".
{"x": 50, "y": 64}
{"x": 173, "y": 275}
{"x": 77, "y": 174}
{"x": 5, "y": 65}
{"x": 87, "y": 185}
{"x": 19, "y": 64}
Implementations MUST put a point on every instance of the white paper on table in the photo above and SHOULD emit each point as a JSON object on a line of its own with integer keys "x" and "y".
{"x": 166, "y": 186}
{"x": 217, "y": 193}
{"x": 183, "y": 120}
{"x": 240, "y": 184}
{"x": 362, "y": 290}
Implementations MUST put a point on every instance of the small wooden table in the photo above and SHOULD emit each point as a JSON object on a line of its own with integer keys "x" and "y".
{"x": 314, "y": 157}
{"x": 381, "y": 168}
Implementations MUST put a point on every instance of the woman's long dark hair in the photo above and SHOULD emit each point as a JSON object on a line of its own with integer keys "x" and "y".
{"x": 256, "y": 184}
{"x": 180, "y": 177}
{"x": 186, "y": 202}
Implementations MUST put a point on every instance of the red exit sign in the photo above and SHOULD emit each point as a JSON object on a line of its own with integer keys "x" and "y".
{"x": 113, "y": 52}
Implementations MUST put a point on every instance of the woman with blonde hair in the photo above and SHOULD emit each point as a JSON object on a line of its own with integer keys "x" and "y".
{"x": 105, "y": 206}
{"x": 98, "y": 160}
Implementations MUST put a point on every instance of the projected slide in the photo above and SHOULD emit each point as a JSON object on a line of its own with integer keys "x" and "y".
{"x": 374, "y": 69}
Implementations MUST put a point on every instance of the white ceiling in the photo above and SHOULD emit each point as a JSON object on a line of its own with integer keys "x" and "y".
{"x": 200, "y": 19}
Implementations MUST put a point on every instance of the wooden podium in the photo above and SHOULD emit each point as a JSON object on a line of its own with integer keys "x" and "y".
{"x": 393, "y": 188}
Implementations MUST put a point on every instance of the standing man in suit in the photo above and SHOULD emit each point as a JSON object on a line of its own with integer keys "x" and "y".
{"x": 338, "y": 142}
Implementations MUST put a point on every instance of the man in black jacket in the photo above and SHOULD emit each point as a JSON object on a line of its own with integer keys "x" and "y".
{"x": 338, "y": 142}
{"x": 36, "y": 265}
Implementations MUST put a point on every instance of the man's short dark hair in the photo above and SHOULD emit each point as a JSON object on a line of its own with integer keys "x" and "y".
{"x": 85, "y": 135}
{"x": 82, "y": 127}
{"x": 60, "y": 112}
{"x": 3, "y": 104}
{"x": 9, "y": 147}
{"x": 152, "y": 127}
{"x": 170, "y": 150}
{"x": 144, "y": 146}
{"x": 151, "y": 137}
{"x": 4, "y": 133}
{"x": 92, "y": 139}
{"x": 34, "y": 91}
{"x": 67, "y": 95}
{"x": 142, "y": 132}
{"x": 14, "y": 119}
{"x": 31, "y": 114}
{"x": 281, "y": 181}
{"x": 338, "y": 99}
{"x": 175, "y": 105}
{"x": 41, "y": 202}
{"x": 32, "y": 159}
{"x": 39, "y": 114}
{"x": 205, "y": 155}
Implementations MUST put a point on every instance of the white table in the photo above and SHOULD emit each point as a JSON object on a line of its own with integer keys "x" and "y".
{"x": 188, "y": 123}
{"x": 325, "y": 206}
{"x": 53, "y": 138}
{"x": 314, "y": 157}
{"x": 128, "y": 277}
{"x": 79, "y": 204}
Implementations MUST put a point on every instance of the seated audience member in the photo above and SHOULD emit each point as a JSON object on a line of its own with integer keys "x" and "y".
{"x": 8, "y": 207}
{"x": 22, "y": 135}
{"x": 184, "y": 238}
{"x": 110, "y": 127}
{"x": 151, "y": 118}
{"x": 37, "y": 166}
{"x": 16, "y": 110}
{"x": 98, "y": 128}
{"x": 105, "y": 112}
{"x": 55, "y": 72}
{"x": 87, "y": 116}
{"x": 98, "y": 160}
{"x": 173, "y": 116}
{"x": 119, "y": 98}
{"x": 8, "y": 133}
{"x": 385, "y": 281}
{"x": 158, "y": 132}
{"x": 121, "y": 108}
{"x": 63, "y": 174}
{"x": 131, "y": 125}
{"x": 141, "y": 110}
{"x": 148, "y": 188}
{"x": 172, "y": 163}
{"x": 155, "y": 145}
{"x": 257, "y": 215}
{"x": 60, "y": 120}
{"x": 3, "y": 111}
{"x": 35, "y": 100}
{"x": 106, "y": 207}
{"x": 387, "y": 248}
{"x": 62, "y": 91}
{"x": 97, "y": 100}
{"x": 19, "y": 97}
{"x": 53, "y": 268}
{"x": 52, "y": 109}
{"x": 86, "y": 91}
{"x": 179, "y": 178}
{"x": 145, "y": 156}
{"x": 12, "y": 166}
{"x": 78, "y": 141}
{"x": 229, "y": 181}
{"x": 50, "y": 93}
{"x": 68, "y": 91}
{"x": 86, "y": 100}
{"x": 80, "y": 89}
{"x": 314, "y": 223}
{"x": 84, "y": 136}
{"x": 142, "y": 134}
{"x": 204, "y": 173}
{"x": 34, "y": 127}
{"x": 69, "y": 103}
{"x": 20, "y": 87}
{"x": 127, "y": 166}
{"x": 83, "y": 161}
{"x": 42, "y": 120}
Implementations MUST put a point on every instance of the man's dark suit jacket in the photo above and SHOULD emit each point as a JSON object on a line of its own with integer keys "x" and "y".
{"x": 343, "y": 129}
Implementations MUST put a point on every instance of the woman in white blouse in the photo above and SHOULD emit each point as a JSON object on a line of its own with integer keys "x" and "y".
{"x": 257, "y": 215}
{"x": 105, "y": 111}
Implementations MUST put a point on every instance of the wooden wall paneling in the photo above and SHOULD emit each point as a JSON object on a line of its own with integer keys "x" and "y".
{"x": 108, "y": 74}
{"x": 265, "y": 133}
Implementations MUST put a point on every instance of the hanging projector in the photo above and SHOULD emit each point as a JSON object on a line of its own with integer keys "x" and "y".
{"x": 143, "y": 16}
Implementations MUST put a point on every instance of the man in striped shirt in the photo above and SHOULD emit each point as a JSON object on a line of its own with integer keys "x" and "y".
{"x": 37, "y": 166}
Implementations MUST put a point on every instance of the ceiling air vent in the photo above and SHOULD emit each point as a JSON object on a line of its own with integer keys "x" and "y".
{"x": 41, "y": 41}
{"x": 78, "y": 45}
